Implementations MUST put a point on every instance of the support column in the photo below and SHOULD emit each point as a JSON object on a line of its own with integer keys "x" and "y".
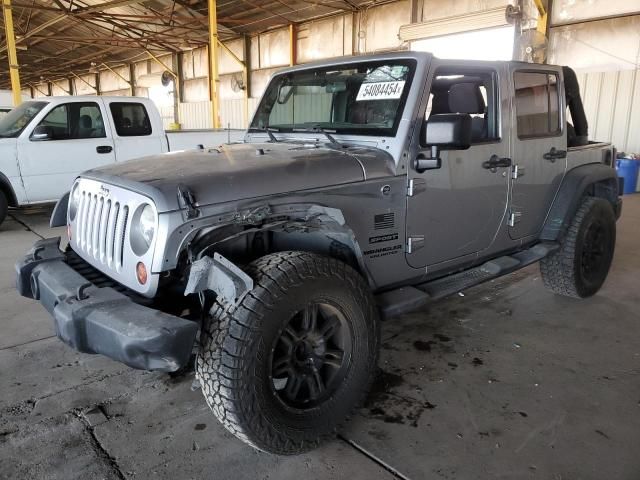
{"x": 245, "y": 78}
{"x": 214, "y": 81}
{"x": 176, "y": 59}
{"x": 11, "y": 52}
{"x": 132, "y": 79}
{"x": 292, "y": 45}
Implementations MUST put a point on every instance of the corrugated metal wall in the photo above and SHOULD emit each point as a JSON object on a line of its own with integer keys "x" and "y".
{"x": 612, "y": 105}
{"x": 605, "y": 54}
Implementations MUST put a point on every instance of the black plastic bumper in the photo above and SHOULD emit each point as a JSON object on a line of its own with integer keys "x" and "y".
{"x": 102, "y": 320}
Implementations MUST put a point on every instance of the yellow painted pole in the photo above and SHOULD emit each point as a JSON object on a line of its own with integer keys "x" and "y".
{"x": 11, "y": 51}
{"x": 292, "y": 45}
{"x": 542, "y": 17}
{"x": 213, "y": 63}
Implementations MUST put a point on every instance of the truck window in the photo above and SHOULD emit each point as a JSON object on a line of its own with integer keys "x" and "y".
{"x": 537, "y": 104}
{"x": 465, "y": 91}
{"x": 14, "y": 122}
{"x": 130, "y": 119}
{"x": 72, "y": 121}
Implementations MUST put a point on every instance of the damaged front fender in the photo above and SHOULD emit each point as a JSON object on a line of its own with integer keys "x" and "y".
{"x": 220, "y": 276}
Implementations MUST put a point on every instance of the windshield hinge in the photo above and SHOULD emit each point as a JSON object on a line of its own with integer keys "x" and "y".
{"x": 188, "y": 201}
{"x": 416, "y": 186}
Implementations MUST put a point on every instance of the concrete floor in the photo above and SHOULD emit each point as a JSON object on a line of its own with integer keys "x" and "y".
{"x": 505, "y": 382}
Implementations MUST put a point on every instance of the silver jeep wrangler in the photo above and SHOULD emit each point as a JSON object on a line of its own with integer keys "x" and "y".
{"x": 365, "y": 186}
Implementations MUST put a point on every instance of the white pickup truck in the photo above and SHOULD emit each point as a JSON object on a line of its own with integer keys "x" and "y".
{"x": 46, "y": 143}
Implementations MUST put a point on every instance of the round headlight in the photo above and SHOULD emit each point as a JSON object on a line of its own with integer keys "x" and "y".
{"x": 144, "y": 229}
{"x": 147, "y": 224}
{"x": 74, "y": 202}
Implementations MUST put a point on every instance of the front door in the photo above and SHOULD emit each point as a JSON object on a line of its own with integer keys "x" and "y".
{"x": 77, "y": 142}
{"x": 539, "y": 147}
{"x": 458, "y": 209}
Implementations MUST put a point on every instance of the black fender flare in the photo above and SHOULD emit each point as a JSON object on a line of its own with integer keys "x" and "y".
{"x": 278, "y": 218}
{"x": 59, "y": 214}
{"x": 7, "y": 189}
{"x": 594, "y": 179}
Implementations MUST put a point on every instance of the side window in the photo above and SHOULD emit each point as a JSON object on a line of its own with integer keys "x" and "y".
{"x": 471, "y": 92}
{"x": 537, "y": 104}
{"x": 58, "y": 122}
{"x": 90, "y": 123}
{"x": 72, "y": 121}
{"x": 130, "y": 119}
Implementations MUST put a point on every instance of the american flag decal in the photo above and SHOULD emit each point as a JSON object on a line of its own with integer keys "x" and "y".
{"x": 383, "y": 220}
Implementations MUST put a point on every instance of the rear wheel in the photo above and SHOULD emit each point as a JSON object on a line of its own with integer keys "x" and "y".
{"x": 287, "y": 366}
{"x": 4, "y": 206}
{"x": 579, "y": 268}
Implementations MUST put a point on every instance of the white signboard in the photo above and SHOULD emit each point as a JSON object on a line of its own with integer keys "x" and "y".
{"x": 380, "y": 91}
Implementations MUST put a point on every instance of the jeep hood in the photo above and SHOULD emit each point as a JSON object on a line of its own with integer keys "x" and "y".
{"x": 242, "y": 171}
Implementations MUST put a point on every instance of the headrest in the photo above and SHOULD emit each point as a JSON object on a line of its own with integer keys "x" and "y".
{"x": 85, "y": 121}
{"x": 466, "y": 97}
{"x": 440, "y": 103}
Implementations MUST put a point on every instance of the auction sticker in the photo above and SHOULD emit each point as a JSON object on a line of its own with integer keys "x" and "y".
{"x": 380, "y": 91}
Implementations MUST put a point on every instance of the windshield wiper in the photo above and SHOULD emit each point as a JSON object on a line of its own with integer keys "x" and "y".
{"x": 322, "y": 130}
{"x": 269, "y": 131}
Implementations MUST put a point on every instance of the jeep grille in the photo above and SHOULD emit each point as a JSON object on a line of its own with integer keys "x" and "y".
{"x": 101, "y": 228}
{"x": 100, "y": 233}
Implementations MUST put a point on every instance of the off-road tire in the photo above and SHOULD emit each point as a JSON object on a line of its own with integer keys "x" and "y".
{"x": 562, "y": 271}
{"x": 236, "y": 343}
{"x": 4, "y": 206}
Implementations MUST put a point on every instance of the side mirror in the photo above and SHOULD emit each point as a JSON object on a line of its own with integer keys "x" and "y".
{"x": 446, "y": 131}
{"x": 42, "y": 132}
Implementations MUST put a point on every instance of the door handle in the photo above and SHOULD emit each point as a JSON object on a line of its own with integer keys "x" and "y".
{"x": 554, "y": 154}
{"x": 104, "y": 149}
{"x": 496, "y": 162}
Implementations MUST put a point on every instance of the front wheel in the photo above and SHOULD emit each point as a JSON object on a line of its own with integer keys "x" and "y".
{"x": 579, "y": 268}
{"x": 287, "y": 366}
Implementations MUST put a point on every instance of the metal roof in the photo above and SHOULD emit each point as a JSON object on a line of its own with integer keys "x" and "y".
{"x": 56, "y": 37}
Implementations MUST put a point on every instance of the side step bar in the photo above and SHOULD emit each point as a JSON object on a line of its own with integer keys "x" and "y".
{"x": 406, "y": 299}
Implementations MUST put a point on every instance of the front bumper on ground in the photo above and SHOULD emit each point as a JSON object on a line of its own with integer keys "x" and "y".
{"x": 102, "y": 320}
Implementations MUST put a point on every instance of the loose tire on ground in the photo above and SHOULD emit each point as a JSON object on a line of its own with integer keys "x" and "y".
{"x": 4, "y": 206}
{"x": 579, "y": 268}
{"x": 309, "y": 322}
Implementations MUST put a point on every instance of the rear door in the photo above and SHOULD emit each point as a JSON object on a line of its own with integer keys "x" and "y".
{"x": 136, "y": 131}
{"x": 539, "y": 146}
{"x": 79, "y": 142}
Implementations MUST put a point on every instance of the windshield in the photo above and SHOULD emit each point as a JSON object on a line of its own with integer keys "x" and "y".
{"x": 12, "y": 124}
{"x": 359, "y": 98}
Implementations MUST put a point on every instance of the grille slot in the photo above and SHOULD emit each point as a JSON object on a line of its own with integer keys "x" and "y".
{"x": 100, "y": 229}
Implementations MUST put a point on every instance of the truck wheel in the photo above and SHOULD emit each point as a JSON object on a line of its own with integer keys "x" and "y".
{"x": 4, "y": 206}
{"x": 579, "y": 268}
{"x": 285, "y": 368}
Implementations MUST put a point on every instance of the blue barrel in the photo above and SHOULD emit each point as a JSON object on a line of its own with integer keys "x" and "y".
{"x": 628, "y": 169}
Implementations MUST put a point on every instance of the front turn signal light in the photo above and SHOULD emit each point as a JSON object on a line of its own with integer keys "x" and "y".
{"x": 141, "y": 273}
